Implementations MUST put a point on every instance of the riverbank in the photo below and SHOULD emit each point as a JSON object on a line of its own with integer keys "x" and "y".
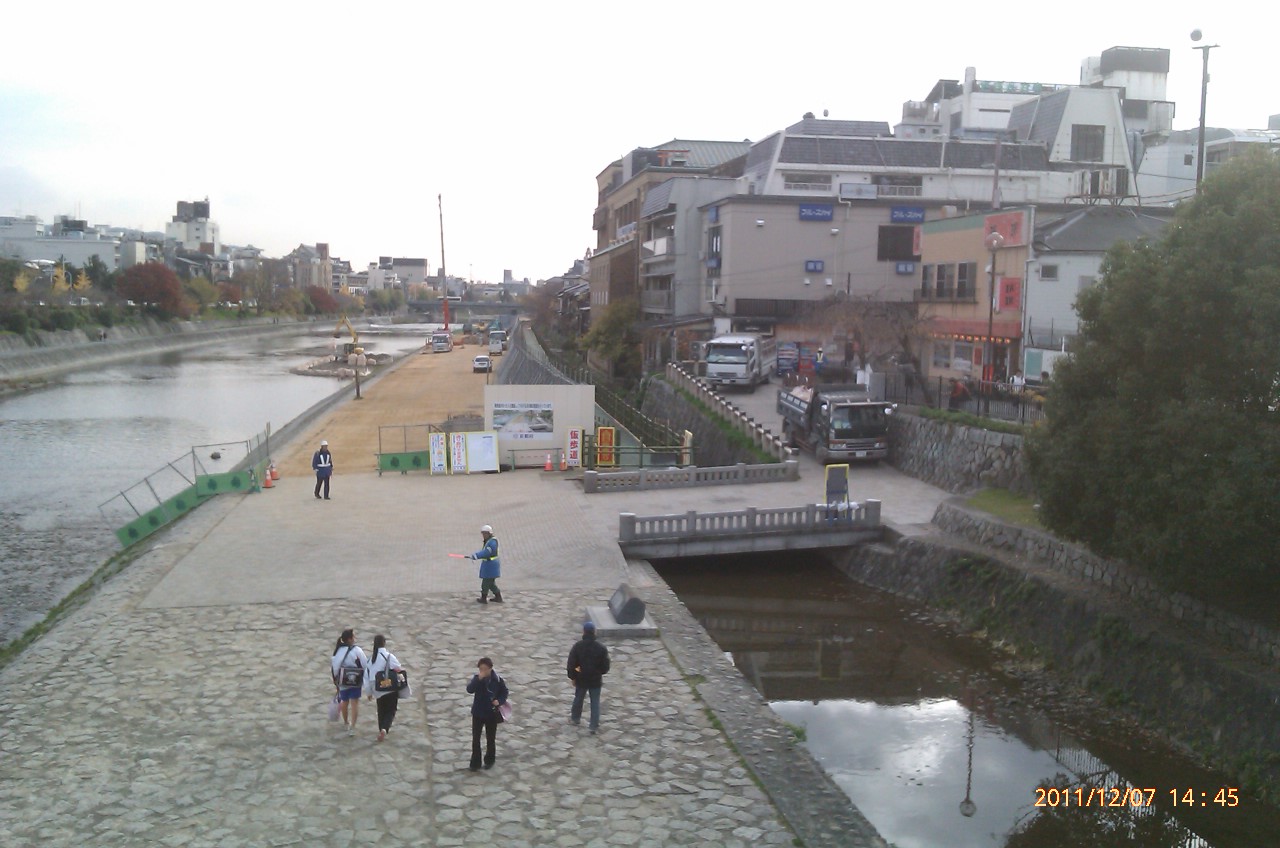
{"x": 24, "y": 366}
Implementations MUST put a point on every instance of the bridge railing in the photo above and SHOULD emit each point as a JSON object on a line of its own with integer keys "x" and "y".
{"x": 752, "y": 521}
{"x": 595, "y": 482}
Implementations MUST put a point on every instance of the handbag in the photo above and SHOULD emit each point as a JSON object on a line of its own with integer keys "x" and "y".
{"x": 389, "y": 680}
{"x": 349, "y": 677}
{"x": 504, "y": 712}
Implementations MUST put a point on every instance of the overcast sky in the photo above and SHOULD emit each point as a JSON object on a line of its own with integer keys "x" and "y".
{"x": 341, "y": 123}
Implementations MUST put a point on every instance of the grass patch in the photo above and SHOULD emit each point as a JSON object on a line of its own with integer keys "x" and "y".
{"x": 734, "y": 437}
{"x": 799, "y": 733}
{"x": 966, "y": 419}
{"x": 1008, "y": 507}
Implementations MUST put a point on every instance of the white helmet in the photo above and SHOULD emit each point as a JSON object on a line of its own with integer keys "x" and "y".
{"x": 486, "y": 529}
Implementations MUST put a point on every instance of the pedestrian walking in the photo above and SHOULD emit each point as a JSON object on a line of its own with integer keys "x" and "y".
{"x": 489, "y": 692}
{"x": 490, "y": 566}
{"x": 388, "y": 699}
{"x": 347, "y": 667}
{"x": 959, "y": 396}
{"x": 322, "y": 462}
{"x": 588, "y": 664}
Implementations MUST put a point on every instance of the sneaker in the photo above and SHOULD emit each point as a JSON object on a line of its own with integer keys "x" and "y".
{"x": 474, "y": 767}
{"x": 382, "y": 734}
{"x": 593, "y": 730}
{"x": 351, "y": 730}
{"x": 488, "y": 764}
{"x": 576, "y": 722}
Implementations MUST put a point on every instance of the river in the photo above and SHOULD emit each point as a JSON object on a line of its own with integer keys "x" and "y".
{"x": 934, "y": 737}
{"x": 69, "y": 447}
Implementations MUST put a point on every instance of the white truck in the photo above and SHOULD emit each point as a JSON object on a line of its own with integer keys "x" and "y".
{"x": 497, "y": 342}
{"x": 741, "y": 359}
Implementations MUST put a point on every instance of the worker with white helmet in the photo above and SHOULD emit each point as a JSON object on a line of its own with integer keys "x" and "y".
{"x": 322, "y": 463}
{"x": 490, "y": 567}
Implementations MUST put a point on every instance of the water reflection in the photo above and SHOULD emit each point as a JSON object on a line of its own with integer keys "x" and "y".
{"x": 932, "y": 742}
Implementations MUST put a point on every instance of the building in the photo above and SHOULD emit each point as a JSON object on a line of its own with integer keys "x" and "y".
{"x": 1168, "y": 172}
{"x": 28, "y": 239}
{"x": 192, "y": 230}
{"x": 409, "y": 271}
{"x": 310, "y": 265}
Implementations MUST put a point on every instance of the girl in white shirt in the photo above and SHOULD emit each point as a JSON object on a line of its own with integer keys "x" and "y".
{"x": 388, "y": 700}
{"x": 346, "y": 656}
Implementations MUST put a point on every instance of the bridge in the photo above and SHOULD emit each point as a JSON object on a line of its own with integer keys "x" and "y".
{"x": 751, "y": 530}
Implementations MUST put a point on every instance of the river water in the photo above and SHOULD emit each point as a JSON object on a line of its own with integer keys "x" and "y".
{"x": 915, "y": 723}
{"x": 70, "y": 447}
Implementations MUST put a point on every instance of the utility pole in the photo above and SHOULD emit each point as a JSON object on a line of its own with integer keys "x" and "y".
{"x": 444, "y": 277}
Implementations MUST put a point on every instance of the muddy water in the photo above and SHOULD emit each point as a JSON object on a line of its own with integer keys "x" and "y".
{"x": 933, "y": 738}
{"x": 67, "y": 448}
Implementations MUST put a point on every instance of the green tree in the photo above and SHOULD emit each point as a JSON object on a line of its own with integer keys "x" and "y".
{"x": 613, "y": 338}
{"x": 256, "y": 286}
{"x": 201, "y": 291}
{"x": 1162, "y": 444}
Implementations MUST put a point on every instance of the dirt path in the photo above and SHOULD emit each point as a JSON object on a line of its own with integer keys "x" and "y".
{"x": 427, "y": 390}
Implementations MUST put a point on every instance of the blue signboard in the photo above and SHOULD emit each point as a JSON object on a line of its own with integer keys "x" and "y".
{"x": 906, "y": 214}
{"x": 814, "y": 265}
{"x": 816, "y": 212}
{"x": 906, "y": 268}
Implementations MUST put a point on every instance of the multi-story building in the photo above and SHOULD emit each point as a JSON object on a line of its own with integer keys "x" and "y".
{"x": 309, "y": 265}
{"x": 28, "y": 239}
{"x": 409, "y": 271}
{"x": 1167, "y": 175}
{"x": 192, "y": 230}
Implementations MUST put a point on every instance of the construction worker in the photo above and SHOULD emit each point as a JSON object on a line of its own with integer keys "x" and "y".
{"x": 490, "y": 567}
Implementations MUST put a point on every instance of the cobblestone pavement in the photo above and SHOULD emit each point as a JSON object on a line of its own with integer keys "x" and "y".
{"x": 184, "y": 703}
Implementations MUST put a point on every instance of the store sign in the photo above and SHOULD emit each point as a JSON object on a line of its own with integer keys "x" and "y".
{"x": 906, "y": 214}
{"x": 814, "y": 265}
{"x": 573, "y": 448}
{"x": 816, "y": 212}
{"x": 905, "y": 268}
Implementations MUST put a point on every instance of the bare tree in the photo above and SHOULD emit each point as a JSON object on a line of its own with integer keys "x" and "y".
{"x": 878, "y": 332}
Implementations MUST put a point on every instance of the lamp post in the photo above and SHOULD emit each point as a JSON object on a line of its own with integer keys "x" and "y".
{"x": 1204, "y": 93}
{"x": 994, "y": 241}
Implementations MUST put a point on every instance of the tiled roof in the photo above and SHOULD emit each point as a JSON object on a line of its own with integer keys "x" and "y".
{"x": 823, "y": 126}
{"x": 707, "y": 154}
{"x": 658, "y": 198}
{"x": 1097, "y": 228}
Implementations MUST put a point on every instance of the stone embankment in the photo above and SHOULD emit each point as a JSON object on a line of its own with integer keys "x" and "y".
{"x": 957, "y": 458}
{"x": 66, "y": 350}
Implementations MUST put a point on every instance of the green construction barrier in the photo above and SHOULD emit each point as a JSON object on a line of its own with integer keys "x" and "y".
{"x": 208, "y": 485}
{"x": 181, "y": 503}
{"x": 143, "y": 526}
{"x": 404, "y": 462}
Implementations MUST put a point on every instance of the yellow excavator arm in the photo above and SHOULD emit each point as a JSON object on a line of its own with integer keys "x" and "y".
{"x": 354, "y": 344}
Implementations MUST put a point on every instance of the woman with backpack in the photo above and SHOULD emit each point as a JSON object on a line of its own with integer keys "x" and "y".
{"x": 347, "y": 667}
{"x": 388, "y": 699}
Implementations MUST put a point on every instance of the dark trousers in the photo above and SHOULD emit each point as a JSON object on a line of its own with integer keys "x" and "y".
{"x": 387, "y": 706}
{"x": 489, "y": 584}
{"x": 490, "y": 727}
{"x": 322, "y": 481}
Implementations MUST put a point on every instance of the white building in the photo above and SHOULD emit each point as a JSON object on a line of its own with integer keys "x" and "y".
{"x": 192, "y": 230}
{"x": 28, "y": 239}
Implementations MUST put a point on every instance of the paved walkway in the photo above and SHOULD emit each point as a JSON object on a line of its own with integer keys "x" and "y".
{"x": 184, "y": 704}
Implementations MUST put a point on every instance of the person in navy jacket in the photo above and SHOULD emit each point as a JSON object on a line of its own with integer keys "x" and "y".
{"x": 322, "y": 462}
{"x": 489, "y": 691}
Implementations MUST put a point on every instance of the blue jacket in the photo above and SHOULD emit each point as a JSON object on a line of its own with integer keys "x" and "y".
{"x": 322, "y": 462}
{"x": 490, "y": 565}
{"x": 484, "y": 692}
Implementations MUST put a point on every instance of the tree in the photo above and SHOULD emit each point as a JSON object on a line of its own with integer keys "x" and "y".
{"x": 103, "y": 277}
{"x": 613, "y": 338}
{"x": 322, "y": 301}
{"x": 157, "y": 288}
{"x": 201, "y": 291}
{"x": 229, "y": 293}
{"x": 256, "y": 286}
{"x": 60, "y": 284}
{"x": 1162, "y": 439}
{"x": 878, "y": 331}
{"x": 82, "y": 283}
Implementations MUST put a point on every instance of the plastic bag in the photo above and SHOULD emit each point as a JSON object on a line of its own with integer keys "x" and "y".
{"x": 335, "y": 708}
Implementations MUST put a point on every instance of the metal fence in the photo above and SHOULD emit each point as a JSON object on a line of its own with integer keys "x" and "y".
{"x": 983, "y": 398}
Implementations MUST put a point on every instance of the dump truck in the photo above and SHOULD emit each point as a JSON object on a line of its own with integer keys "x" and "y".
{"x": 839, "y": 423}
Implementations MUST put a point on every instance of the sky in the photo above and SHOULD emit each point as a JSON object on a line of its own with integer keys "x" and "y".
{"x": 343, "y": 123}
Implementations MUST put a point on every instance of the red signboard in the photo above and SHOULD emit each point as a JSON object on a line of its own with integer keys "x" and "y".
{"x": 1010, "y": 294}
{"x": 1011, "y": 225}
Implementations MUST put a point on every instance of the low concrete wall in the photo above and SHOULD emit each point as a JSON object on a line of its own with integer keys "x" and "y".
{"x": 1108, "y": 575}
{"x": 68, "y": 350}
{"x": 1176, "y": 685}
{"x": 955, "y": 457}
{"x": 594, "y": 482}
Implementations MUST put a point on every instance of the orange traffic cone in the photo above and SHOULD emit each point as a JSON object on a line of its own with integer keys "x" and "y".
{"x": 548, "y": 467}
{"x": 275, "y": 475}
{"x": 564, "y": 463}
{"x": 267, "y": 482}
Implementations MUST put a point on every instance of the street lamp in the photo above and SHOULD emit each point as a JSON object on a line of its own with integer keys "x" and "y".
{"x": 1204, "y": 93}
{"x": 994, "y": 241}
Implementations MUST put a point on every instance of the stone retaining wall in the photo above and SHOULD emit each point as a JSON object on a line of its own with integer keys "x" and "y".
{"x": 1113, "y": 576}
{"x": 67, "y": 350}
{"x": 1175, "y": 685}
{"x": 955, "y": 457}
{"x": 594, "y": 482}
{"x": 710, "y": 447}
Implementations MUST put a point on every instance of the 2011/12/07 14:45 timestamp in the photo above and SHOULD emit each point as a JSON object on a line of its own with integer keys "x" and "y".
{"x": 1130, "y": 796}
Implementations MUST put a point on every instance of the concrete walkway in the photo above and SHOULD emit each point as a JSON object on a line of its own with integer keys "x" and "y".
{"x": 184, "y": 704}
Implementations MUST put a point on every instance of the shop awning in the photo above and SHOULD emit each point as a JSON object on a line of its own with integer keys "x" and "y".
{"x": 975, "y": 329}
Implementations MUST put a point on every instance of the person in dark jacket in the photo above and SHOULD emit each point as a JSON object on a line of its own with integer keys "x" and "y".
{"x": 588, "y": 664}
{"x": 322, "y": 462}
{"x": 489, "y": 691}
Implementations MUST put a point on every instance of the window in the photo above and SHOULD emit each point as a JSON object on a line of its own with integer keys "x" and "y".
{"x": 1048, "y": 272}
{"x": 1188, "y": 160}
{"x": 807, "y": 182}
{"x": 963, "y": 356}
{"x": 966, "y": 276}
{"x": 895, "y": 244}
{"x": 946, "y": 279}
{"x": 713, "y": 251}
{"x": 1088, "y": 141}
{"x": 941, "y": 354}
{"x": 926, "y": 280}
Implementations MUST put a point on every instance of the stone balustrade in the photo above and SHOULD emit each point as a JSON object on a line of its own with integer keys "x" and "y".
{"x": 807, "y": 519}
{"x": 760, "y": 436}
{"x": 599, "y": 482}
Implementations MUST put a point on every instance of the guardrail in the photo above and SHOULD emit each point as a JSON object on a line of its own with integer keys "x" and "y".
{"x": 809, "y": 518}
{"x": 760, "y": 435}
{"x": 603, "y": 482}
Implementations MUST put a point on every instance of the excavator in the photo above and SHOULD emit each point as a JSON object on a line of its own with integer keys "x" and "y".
{"x": 352, "y": 346}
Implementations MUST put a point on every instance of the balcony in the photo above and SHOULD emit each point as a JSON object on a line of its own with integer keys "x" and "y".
{"x": 899, "y": 191}
{"x": 659, "y": 247}
{"x": 947, "y": 294}
{"x": 657, "y": 301}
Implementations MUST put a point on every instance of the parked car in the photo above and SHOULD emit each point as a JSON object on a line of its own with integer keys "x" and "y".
{"x": 482, "y": 364}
